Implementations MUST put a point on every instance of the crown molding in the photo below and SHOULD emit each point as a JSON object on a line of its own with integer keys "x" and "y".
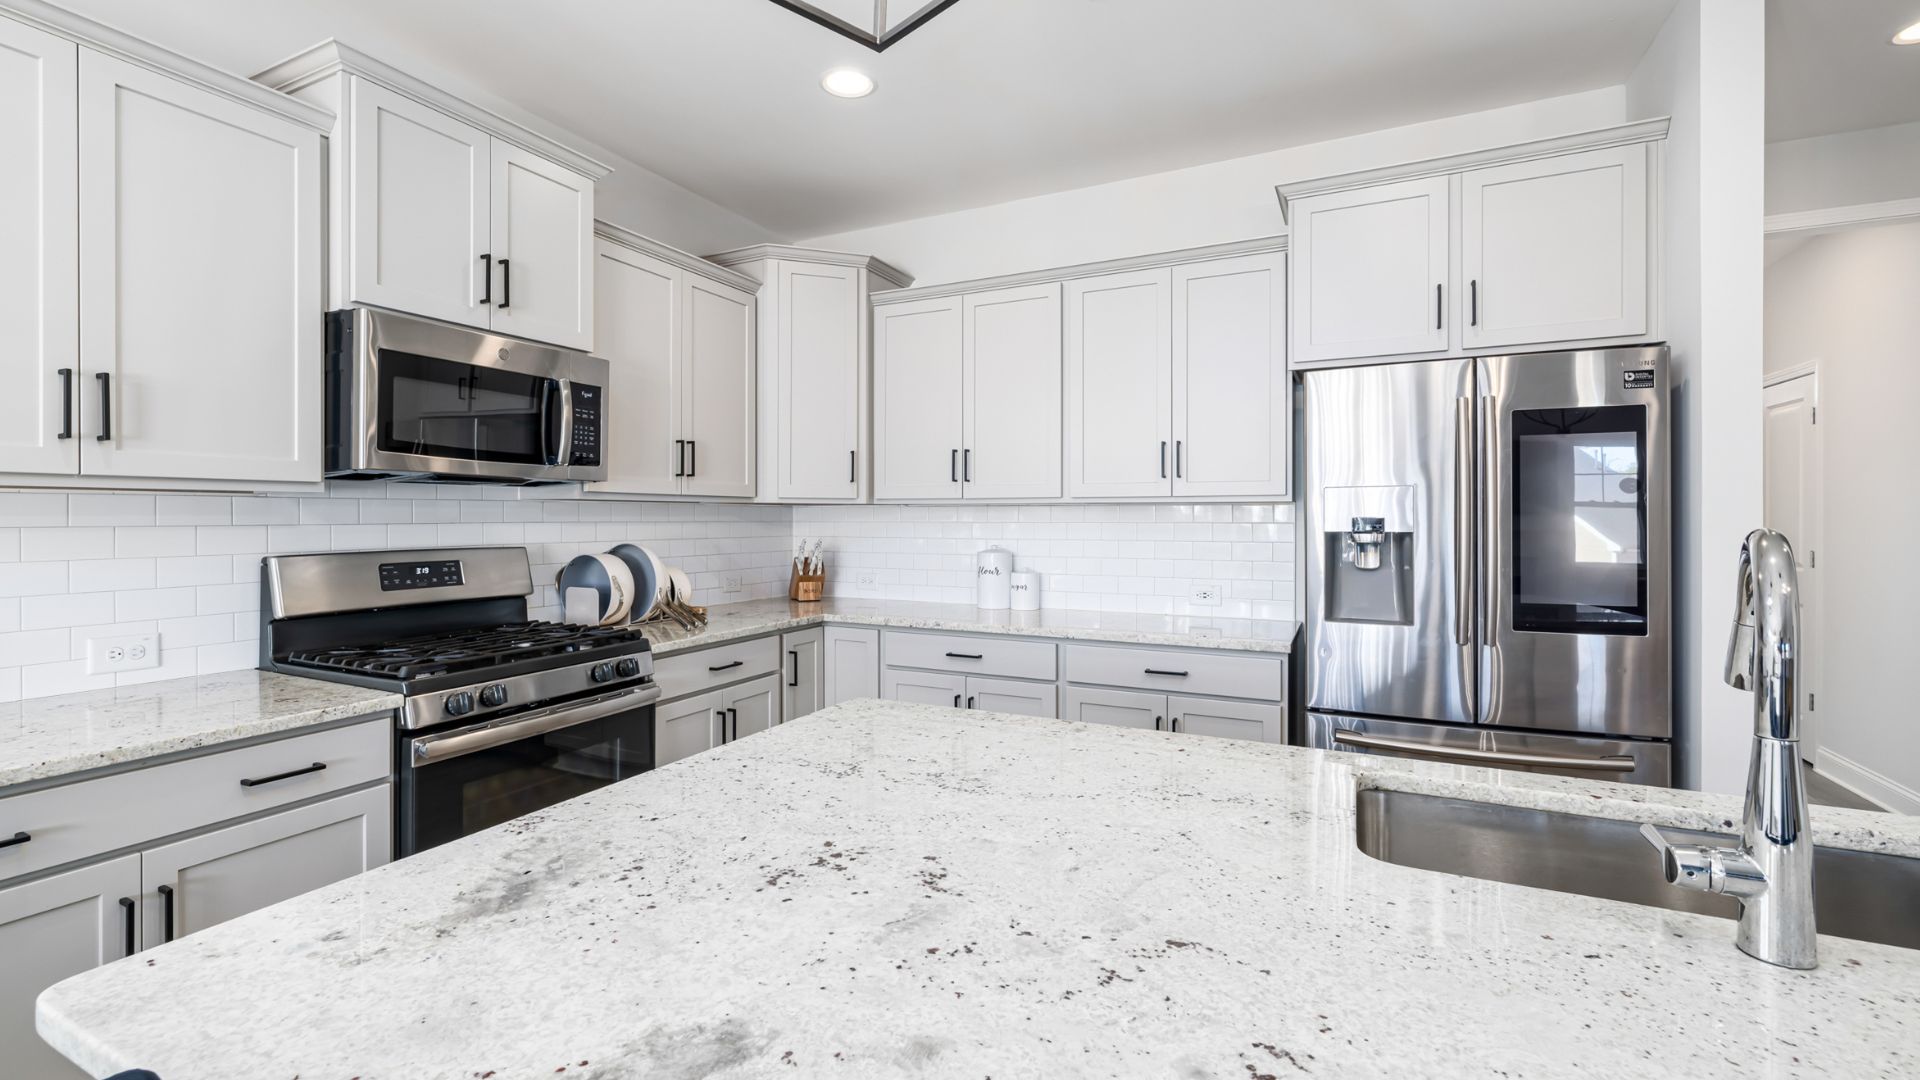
{"x": 1256, "y": 246}
{"x": 332, "y": 57}
{"x": 687, "y": 261}
{"x": 879, "y": 268}
{"x": 103, "y": 38}
{"x": 1618, "y": 135}
{"x": 1835, "y": 218}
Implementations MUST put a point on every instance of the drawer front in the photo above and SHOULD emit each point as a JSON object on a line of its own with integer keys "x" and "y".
{"x": 1019, "y": 698}
{"x": 696, "y": 672}
{"x": 1174, "y": 671}
{"x": 1227, "y": 719}
{"x": 1010, "y": 658}
{"x": 88, "y": 818}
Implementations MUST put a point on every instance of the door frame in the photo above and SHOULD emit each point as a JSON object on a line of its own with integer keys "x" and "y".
{"x": 1813, "y": 624}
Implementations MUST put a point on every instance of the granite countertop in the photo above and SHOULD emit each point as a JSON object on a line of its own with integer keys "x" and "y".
{"x": 888, "y": 889}
{"x": 50, "y": 737}
{"x": 754, "y": 617}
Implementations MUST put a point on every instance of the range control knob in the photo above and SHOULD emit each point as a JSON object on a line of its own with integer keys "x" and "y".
{"x": 627, "y": 668}
{"x": 601, "y": 672}
{"x": 493, "y": 696}
{"x": 459, "y": 704}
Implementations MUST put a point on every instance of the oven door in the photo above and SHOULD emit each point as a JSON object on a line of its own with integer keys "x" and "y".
{"x": 463, "y": 780}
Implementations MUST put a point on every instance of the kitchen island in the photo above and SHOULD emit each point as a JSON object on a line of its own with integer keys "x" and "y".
{"x": 883, "y": 888}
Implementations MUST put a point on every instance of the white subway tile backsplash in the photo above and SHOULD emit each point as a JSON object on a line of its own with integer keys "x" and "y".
{"x": 337, "y": 511}
{"x": 60, "y": 544}
{"x": 195, "y": 630}
{"x": 66, "y": 677}
{"x": 222, "y": 599}
{"x": 193, "y": 570}
{"x": 230, "y": 539}
{"x": 109, "y": 509}
{"x": 192, "y": 510}
{"x": 32, "y": 508}
{"x": 152, "y": 604}
{"x": 65, "y": 609}
{"x": 24, "y": 648}
{"x": 265, "y": 510}
{"x": 32, "y": 579}
{"x": 109, "y": 575}
{"x": 154, "y": 540}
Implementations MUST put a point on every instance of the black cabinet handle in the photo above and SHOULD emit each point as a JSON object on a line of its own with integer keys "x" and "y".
{"x": 126, "y": 910}
{"x": 1156, "y": 723}
{"x": 966, "y": 465}
{"x": 1175, "y": 674}
{"x": 288, "y": 775}
{"x": 852, "y": 473}
{"x": 1163, "y": 459}
{"x": 965, "y": 655}
{"x": 1436, "y": 307}
{"x": 1473, "y": 302}
{"x": 106, "y": 406}
{"x": 969, "y": 701}
{"x": 953, "y": 467}
{"x": 1173, "y": 724}
{"x": 693, "y": 458}
{"x": 166, "y": 913}
{"x": 1177, "y": 473}
{"x": 721, "y": 715}
{"x": 956, "y": 701}
{"x": 66, "y": 403}
{"x": 506, "y": 283}
{"x": 16, "y": 840}
{"x": 486, "y": 296}
{"x": 725, "y": 667}
{"x": 734, "y": 715}
{"x": 795, "y": 657}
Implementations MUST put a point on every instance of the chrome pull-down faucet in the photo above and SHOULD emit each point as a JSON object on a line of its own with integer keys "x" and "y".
{"x": 1771, "y": 872}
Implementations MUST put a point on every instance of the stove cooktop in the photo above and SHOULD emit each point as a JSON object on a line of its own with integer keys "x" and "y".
{"x": 495, "y": 649}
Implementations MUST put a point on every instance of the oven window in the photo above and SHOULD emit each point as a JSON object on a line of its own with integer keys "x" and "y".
{"x": 440, "y": 408}
{"x": 1580, "y": 520}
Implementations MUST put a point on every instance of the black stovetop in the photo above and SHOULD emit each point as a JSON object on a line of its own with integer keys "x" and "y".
{"x": 499, "y": 648}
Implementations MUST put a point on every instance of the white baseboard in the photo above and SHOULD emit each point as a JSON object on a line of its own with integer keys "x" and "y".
{"x": 1869, "y": 785}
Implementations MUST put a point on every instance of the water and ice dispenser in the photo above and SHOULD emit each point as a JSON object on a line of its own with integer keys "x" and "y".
{"x": 1369, "y": 563}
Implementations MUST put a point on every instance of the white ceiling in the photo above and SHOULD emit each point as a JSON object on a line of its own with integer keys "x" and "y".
{"x": 992, "y": 100}
{"x": 1830, "y": 67}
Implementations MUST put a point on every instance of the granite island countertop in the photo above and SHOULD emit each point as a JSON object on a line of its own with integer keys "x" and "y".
{"x": 886, "y": 889}
{"x": 753, "y": 618}
{"x": 55, "y": 737}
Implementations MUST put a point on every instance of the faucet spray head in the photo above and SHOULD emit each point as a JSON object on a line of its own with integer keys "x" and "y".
{"x": 1740, "y": 650}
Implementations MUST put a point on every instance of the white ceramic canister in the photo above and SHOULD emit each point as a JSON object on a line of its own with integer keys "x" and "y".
{"x": 995, "y": 576}
{"x": 1026, "y": 590}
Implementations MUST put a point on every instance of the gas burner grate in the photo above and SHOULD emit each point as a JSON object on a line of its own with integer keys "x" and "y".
{"x": 465, "y": 650}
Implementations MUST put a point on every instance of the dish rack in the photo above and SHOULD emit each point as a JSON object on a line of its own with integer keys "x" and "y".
{"x": 671, "y": 608}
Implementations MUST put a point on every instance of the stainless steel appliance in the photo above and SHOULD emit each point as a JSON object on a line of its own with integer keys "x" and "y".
{"x": 501, "y": 716}
{"x": 408, "y": 398}
{"x": 1488, "y": 546}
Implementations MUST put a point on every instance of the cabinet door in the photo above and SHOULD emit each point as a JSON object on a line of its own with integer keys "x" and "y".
{"x": 53, "y": 929}
{"x": 717, "y": 407}
{"x": 821, "y": 386}
{"x": 1370, "y": 271}
{"x": 1008, "y": 696}
{"x": 923, "y": 687}
{"x": 542, "y": 241}
{"x": 226, "y": 873}
{"x": 917, "y": 387}
{"x": 636, "y": 315}
{"x": 1227, "y": 719}
{"x": 1120, "y": 708}
{"x": 40, "y": 221}
{"x": 1232, "y": 396}
{"x": 1119, "y": 377}
{"x": 852, "y": 663}
{"x": 1556, "y": 249}
{"x": 804, "y": 692}
{"x": 752, "y": 707}
{"x": 1012, "y": 395}
{"x": 200, "y": 294}
{"x": 418, "y": 208}
{"x": 685, "y": 727}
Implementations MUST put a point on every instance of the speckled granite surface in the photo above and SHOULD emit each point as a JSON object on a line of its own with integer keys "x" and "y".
{"x": 731, "y": 621}
{"x": 884, "y": 889}
{"x": 71, "y": 733}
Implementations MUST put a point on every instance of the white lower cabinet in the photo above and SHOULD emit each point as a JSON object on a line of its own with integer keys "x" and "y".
{"x": 970, "y": 692}
{"x": 750, "y": 708}
{"x": 1250, "y": 720}
{"x": 52, "y": 929}
{"x": 1120, "y": 708}
{"x": 852, "y": 664}
{"x": 923, "y": 687}
{"x": 802, "y": 689}
{"x": 685, "y": 727}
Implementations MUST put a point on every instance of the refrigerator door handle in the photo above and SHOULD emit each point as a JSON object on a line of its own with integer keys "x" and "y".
{"x": 1619, "y": 763}
{"x": 1490, "y": 587}
{"x": 1463, "y": 584}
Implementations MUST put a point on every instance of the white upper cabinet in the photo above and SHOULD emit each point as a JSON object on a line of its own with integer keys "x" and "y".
{"x": 717, "y": 406}
{"x": 1370, "y": 271}
{"x": 542, "y": 249}
{"x": 39, "y": 307}
{"x": 1555, "y": 249}
{"x": 1119, "y": 382}
{"x": 1232, "y": 396}
{"x": 1011, "y": 396}
{"x": 918, "y": 408}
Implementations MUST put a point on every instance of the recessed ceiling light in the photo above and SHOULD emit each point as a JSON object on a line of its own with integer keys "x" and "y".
{"x": 847, "y": 83}
{"x": 1909, "y": 36}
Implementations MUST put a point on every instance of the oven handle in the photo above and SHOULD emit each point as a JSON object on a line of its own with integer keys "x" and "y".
{"x": 428, "y": 749}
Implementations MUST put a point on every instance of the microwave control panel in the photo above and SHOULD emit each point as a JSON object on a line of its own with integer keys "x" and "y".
{"x": 586, "y": 425}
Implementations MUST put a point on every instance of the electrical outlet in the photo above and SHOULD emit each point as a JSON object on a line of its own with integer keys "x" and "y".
{"x": 1207, "y": 594}
{"x": 129, "y": 653}
{"x": 731, "y": 583}
{"x": 866, "y": 577}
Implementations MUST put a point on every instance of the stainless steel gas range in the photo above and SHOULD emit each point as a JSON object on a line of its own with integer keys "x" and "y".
{"x": 502, "y": 716}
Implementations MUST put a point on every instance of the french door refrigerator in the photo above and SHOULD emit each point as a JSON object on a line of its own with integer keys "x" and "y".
{"x": 1487, "y": 549}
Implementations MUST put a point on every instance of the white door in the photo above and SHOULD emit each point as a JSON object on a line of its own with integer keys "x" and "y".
{"x": 1119, "y": 708}
{"x": 852, "y": 663}
{"x": 52, "y": 929}
{"x": 917, "y": 388}
{"x": 419, "y": 209}
{"x": 1232, "y": 395}
{"x": 1370, "y": 271}
{"x": 1792, "y": 507}
{"x": 636, "y": 314}
{"x": 820, "y": 401}
{"x": 200, "y": 291}
{"x": 1555, "y": 249}
{"x": 803, "y": 691}
{"x": 1119, "y": 378}
{"x": 207, "y": 879}
{"x": 1013, "y": 377}
{"x": 542, "y": 240}
{"x": 924, "y": 687}
{"x": 752, "y": 707}
{"x": 686, "y": 727}
{"x": 717, "y": 406}
{"x": 1227, "y": 719}
{"x": 1009, "y": 696}
{"x": 40, "y": 224}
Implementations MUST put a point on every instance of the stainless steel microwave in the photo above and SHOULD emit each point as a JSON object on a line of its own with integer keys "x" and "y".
{"x": 409, "y": 398}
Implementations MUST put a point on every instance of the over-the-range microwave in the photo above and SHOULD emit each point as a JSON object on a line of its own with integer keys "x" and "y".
{"x": 410, "y": 398}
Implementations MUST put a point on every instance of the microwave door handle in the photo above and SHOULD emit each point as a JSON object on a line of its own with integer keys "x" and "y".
{"x": 564, "y": 454}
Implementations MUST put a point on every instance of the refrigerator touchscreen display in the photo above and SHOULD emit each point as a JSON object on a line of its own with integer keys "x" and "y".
{"x": 1579, "y": 520}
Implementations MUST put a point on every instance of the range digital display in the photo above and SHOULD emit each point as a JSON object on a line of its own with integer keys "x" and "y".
{"x": 420, "y": 575}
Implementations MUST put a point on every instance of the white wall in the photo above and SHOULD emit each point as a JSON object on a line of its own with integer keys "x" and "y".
{"x": 1853, "y": 167}
{"x": 1847, "y": 301}
{"x": 1205, "y": 204}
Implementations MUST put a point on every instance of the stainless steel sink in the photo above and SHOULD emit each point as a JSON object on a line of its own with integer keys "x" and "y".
{"x": 1856, "y": 894}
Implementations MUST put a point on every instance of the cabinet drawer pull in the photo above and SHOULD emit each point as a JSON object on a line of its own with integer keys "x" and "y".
{"x": 1436, "y": 307}
{"x": 126, "y": 910}
{"x": 66, "y": 403}
{"x": 1174, "y": 674}
{"x": 1163, "y": 459}
{"x": 969, "y": 701}
{"x": 506, "y": 284}
{"x": 966, "y": 466}
{"x": 486, "y": 274}
{"x": 1157, "y": 721}
{"x": 1177, "y": 472}
{"x": 953, "y": 467}
{"x": 734, "y": 715}
{"x": 721, "y": 715}
{"x": 726, "y": 667}
{"x": 1173, "y": 724}
{"x": 1473, "y": 302}
{"x": 853, "y": 473}
{"x": 106, "y": 406}
{"x": 966, "y": 656}
{"x": 795, "y": 657}
{"x": 16, "y": 839}
{"x": 166, "y": 913}
{"x": 693, "y": 457}
{"x": 679, "y": 458}
{"x": 288, "y": 775}
{"x": 956, "y": 701}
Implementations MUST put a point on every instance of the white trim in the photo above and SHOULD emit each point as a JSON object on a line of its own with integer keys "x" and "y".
{"x": 687, "y": 261}
{"x": 1810, "y": 367}
{"x": 761, "y": 252}
{"x": 126, "y": 47}
{"x": 332, "y": 57}
{"x": 1618, "y": 135}
{"x": 1888, "y": 794}
{"x": 1832, "y": 218}
{"x": 1257, "y": 246}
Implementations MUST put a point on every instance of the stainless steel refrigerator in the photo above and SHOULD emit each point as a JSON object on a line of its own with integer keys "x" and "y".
{"x": 1488, "y": 562}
